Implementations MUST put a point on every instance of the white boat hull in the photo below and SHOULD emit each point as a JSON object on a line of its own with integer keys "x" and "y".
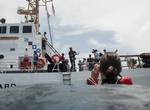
{"x": 8, "y": 80}
{"x": 21, "y": 79}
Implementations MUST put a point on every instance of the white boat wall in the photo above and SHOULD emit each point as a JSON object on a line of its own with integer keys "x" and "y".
{"x": 18, "y": 40}
{"x": 14, "y": 39}
{"x": 22, "y": 79}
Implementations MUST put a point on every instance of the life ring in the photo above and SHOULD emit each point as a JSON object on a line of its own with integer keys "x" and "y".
{"x": 56, "y": 58}
{"x": 25, "y": 63}
{"x": 40, "y": 63}
{"x": 125, "y": 80}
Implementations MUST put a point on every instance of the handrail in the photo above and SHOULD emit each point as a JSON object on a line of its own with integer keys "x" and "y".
{"x": 52, "y": 48}
{"x": 129, "y": 55}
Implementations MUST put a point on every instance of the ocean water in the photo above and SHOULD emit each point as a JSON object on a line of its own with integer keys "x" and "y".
{"x": 79, "y": 96}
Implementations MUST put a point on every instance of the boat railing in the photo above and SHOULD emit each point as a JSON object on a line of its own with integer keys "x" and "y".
{"x": 127, "y": 62}
{"x": 131, "y": 61}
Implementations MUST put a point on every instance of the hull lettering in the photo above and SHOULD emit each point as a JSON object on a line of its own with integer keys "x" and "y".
{"x": 7, "y": 85}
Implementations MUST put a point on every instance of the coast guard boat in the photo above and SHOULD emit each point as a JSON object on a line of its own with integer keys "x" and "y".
{"x": 18, "y": 41}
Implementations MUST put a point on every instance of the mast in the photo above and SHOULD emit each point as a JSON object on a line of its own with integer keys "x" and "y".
{"x": 37, "y": 15}
{"x": 32, "y": 12}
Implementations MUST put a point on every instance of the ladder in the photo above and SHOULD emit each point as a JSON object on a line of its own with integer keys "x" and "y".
{"x": 56, "y": 68}
{"x": 52, "y": 48}
{"x": 66, "y": 78}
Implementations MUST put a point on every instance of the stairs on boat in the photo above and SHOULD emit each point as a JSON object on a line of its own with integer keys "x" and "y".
{"x": 51, "y": 50}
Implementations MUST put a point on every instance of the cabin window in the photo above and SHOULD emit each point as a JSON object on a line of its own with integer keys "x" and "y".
{"x": 12, "y": 49}
{"x": 27, "y": 29}
{"x": 14, "y": 29}
{"x": 3, "y": 29}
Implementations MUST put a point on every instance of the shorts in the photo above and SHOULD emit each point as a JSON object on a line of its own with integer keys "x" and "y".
{"x": 34, "y": 63}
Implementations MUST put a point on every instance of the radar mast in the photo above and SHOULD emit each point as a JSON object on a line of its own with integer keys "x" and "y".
{"x": 32, "y": 12}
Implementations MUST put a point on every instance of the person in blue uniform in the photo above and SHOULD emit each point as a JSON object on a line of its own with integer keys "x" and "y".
{"x": 35, "y": 61}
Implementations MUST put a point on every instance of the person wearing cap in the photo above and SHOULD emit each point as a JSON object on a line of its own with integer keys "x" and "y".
{"x": 72, "y": 57}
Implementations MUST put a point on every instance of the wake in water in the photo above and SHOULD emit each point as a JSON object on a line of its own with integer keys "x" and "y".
{"x": 61, "y": 97}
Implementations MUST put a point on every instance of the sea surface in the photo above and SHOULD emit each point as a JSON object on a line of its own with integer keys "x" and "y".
{"x": 79, "y": 96}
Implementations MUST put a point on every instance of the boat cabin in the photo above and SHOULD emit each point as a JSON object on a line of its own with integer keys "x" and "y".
{"x": 16, "y": 41}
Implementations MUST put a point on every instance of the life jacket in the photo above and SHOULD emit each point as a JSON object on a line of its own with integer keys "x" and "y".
{"x": 125, "y": 80}
{"x": 122, "y": 80}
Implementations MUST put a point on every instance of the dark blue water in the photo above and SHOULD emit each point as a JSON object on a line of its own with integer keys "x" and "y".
{"x": 80, "y": 96}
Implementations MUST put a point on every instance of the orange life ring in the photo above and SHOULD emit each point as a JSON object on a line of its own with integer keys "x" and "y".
{"x": 40, "y": 63}
{"x": 25, "y": 63}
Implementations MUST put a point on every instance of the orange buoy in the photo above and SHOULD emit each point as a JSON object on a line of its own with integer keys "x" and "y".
{"x": 25, "y": 64}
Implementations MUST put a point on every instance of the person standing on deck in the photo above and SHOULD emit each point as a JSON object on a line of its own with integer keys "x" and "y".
{"x": 90, "y": 61}
{"x": 96, "y": 55}
{"x": 62, "y": 58}
{"x": 35, "y": 61}
{"x": 72, "y": 58}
